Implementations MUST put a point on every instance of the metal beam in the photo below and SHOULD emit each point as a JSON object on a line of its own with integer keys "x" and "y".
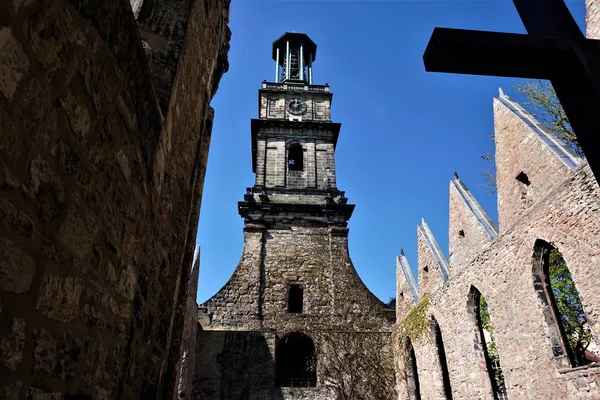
{"x": 498, "y": 54}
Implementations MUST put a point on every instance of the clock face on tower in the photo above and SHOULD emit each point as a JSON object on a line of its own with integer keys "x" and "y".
{"x": 296, "y": 106}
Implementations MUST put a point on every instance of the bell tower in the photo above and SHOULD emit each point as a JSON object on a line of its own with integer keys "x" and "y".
{"x": 294, "y": 139}
{"x": 295, "y": 285}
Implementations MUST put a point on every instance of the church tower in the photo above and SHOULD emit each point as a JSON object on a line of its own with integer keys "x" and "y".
{"x": 295, "y": 280}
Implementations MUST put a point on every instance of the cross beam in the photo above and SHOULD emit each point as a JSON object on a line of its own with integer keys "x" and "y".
{"x": 555, "y": 49}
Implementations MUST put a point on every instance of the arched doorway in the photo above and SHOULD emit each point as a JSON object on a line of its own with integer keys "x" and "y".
{"x": 296, "y": 362}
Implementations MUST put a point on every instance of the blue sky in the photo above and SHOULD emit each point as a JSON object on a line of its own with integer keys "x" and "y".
{"x": 404, "y": 131}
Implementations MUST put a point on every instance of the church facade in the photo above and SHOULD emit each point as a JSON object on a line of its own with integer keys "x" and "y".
{"x": 295, "y": 314}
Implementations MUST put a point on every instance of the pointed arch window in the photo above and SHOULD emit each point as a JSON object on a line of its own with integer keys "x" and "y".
{"x": 439, "y": 343}
{"x": 484, "y": 342}
{"x": 570, "y": 335}
{"x": 295, "y": 157}
{"x": 412, "y": 372}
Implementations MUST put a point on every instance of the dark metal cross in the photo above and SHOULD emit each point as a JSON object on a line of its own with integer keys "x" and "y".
{"x": 555, "y": 49}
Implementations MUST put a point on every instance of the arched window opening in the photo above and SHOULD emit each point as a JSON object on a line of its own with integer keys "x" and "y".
{"x": 412, "y": 373}
{"x": 296, "y": 361}
{"x": 295, "y": 157}
{"x": 484, "y": 341}
{"x": 437, "y": 335}
{"x": 571, "y": 338}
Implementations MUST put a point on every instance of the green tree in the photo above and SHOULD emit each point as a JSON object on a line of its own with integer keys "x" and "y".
{"x": 543, "y": 104}
{"x": 541, "y": 101}
{"x": 569, "y": 305}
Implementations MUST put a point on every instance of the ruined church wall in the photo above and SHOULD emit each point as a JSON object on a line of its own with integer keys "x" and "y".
{"x": 186, "y": 365}
{"x": 91, "y": 245}
{"x": 566, "y": 215}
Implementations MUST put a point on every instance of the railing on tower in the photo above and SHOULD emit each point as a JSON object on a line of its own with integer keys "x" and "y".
{"x": 295, "y": 87}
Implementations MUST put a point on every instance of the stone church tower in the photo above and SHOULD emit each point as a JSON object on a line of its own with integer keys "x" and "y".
{"x": 269, "y": 332}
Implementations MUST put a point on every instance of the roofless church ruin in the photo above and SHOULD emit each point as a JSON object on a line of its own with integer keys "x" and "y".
{"x": 105, "y": 126}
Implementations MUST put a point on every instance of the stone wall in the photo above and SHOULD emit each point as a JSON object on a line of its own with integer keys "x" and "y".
{"x": 592, "y": 19}
{"x": 235, "y": 365}
{"x": 186, "y": 365}
{"x": 559, "y": 205}
{"x": 316, "y": 258}
{"x": 241, "y": 365}
{"x": 98, "y": 216}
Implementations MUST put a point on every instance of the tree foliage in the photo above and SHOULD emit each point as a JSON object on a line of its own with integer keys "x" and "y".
{"x": 543, "y": 104}
{"x": 358, "y": 365}
{"x": 569, "y": 305}
{"x": 416, "y": 323}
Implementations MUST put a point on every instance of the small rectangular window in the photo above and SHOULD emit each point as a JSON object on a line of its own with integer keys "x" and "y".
{"x": 295, "y": 299}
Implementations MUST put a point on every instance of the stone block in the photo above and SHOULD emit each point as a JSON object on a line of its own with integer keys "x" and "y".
{"x": 52, "y": 33}
{"x": 16, "y": 268}
{"x": 127, "y": 282}
{"x": 44, "y": 353}
{"x": 46, "y": 187}
{"x": 77, "y": 232}
{"x": 11, "y": 391}
{"x": 58, "y": 297}
{"x": 16, "y": 219}
{"x": 14, "y": 63}
{"x": 78, "y": 115}
{"x": 38, "y": 394}
{"x": 11, "y": 348}
{"x": 11, "y": 143}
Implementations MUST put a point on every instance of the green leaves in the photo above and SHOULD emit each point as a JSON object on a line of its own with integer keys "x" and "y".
{"x": 567, "y": 301}
{"x": 545, "y": 107}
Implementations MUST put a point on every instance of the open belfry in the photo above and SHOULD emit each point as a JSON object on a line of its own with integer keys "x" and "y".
{"x": 295, "y": 307}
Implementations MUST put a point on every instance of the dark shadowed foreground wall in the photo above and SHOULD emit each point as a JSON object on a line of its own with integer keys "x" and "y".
{"x": 100, "y": 188}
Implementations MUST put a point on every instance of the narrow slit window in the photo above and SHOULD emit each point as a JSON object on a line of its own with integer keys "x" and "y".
{"x": 295, "y": 299}
{"x": 295, "y": 157}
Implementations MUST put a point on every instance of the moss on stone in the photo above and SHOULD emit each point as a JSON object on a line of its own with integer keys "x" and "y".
{"x": 416, "y": 323}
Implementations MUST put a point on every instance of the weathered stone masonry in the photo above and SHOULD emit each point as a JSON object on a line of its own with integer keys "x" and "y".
{"x": 559, "y": 204}
{"x": 102, "y": 161}
{"x": 295, "y": 241}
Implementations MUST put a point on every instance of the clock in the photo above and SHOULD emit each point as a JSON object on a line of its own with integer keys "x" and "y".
{"x": 296, "y": 106}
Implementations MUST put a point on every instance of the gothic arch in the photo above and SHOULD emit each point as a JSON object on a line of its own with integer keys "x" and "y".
{"x": 483, "y": 344}
{"x": 436, "y": 335}
{"x": 296, "y": 361}
{"x": 412, "y": 371}
{"x": 565, "y": 353}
